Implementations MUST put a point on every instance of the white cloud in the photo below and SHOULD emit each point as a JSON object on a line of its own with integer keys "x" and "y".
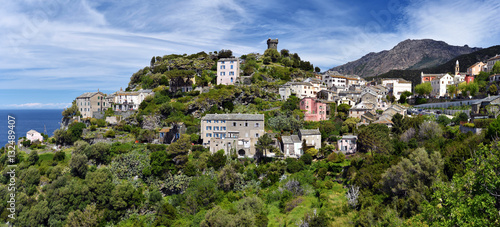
{"x": 40, "y": 105}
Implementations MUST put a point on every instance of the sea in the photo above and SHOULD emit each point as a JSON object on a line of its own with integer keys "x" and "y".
{"x": 41, "y": 120}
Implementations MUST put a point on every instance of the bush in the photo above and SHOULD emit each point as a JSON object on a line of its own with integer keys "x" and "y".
{"x": 59, "y": 156}
{"x": 294, "y": 165}
{"x": 306, "y": 158}
{"x": 110, "y": 133}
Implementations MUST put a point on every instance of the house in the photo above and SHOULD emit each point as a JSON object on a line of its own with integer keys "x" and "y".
{"x": 397, "y": 86}
{"x": 130, "y": 100}
{"x": 475, "y": 69}
{"x": 90, "y": 102}
{"x": 33, "y": 135}
{"x": 347, "y": 144}
{"x": 494, "y": 78}
{"x": 354, "y": 95}
{"x": 469, "y": 78}
{"x": 228, "y": 71}
{"x": 361, "y": 108}
{"x": 384, "y": 119}
{"x": 345, "y": 100}
{"x": 334, "y": 79}
{"x": 171, "y": 134}
{"x": 491, "y": 62}
{"x": 315, "y": 110}
{"x": 182, "y": 83}
{"x": 326, "y": 95}
{"x": 312, "y": 138}
{"x": 291, "y": 146}
{"x": 428, "y": 77}
{"x": 238, "y": 132}
{"x": 440, "y": 84}
{"x": 368, "y": 117}
{"x": 300, "y": 89}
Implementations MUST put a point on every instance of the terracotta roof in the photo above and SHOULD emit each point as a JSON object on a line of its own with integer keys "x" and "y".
{"x": 165, "y": 130}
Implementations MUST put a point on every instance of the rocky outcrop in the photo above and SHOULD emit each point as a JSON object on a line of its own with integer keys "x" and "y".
{"x": 409, "y": 54}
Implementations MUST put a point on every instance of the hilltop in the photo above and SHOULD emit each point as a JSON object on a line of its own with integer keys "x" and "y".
{"x": 409, "y": 54}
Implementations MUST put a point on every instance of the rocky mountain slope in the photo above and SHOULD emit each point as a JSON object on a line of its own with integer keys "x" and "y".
{"x": 409, "y": 54}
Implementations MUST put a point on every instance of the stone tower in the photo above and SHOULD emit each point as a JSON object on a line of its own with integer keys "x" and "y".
{"x": 272, "y": 44}
{"x": 457, "y": 68}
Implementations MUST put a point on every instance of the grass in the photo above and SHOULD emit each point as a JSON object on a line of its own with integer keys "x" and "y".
{"x": 46, "y": 156}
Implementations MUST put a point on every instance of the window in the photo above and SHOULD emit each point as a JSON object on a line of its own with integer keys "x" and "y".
{"x": 97, "y": 103}
{"x": 231, "y": 73}
{"x": 223, "y": 128}
{"x": 216, "y": 121}
{"x": 209, "y": 121}
{"x": 232, "y": 66}
{"x": 222, "y": 62}
{"x": 257, "y": 135}
{"x": 231, "y": 62}
{"x": 209, "y": 127}
{"x": 222, "y": 67}
{"x": 246, "y": 124}
{"x": 234, "y": 124}
{"x": 209, "y": 134}
{"x": 231, "y": 80}
{"x": 223, "y": 121}
{"x": 256, "y": 124}
{"x": 216, "y": 128}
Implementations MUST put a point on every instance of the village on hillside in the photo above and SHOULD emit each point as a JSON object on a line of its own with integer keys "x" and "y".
{"x": 320, "y": 97}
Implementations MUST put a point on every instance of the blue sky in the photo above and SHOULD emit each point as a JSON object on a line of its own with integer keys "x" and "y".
{"x": 52, "y": 51}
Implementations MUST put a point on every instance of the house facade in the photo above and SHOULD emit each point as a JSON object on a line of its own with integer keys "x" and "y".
{"x": 238, "y": 132}
{"x": 476, "y": 68}
{"x": 89, "y": 102}
{"x": 397, "y": 86}
{"x": 312, "y": 138}
{"x": 315, "y": 110}
{"x": 440, "y": 83}
{"x": 291, "y": 146}
{"x": 334, "y": 80}
{"x": 347, "y": 144}
{"x": 228, "y": 71}
{"x": 300, "y": 89}
{"x": 491, "y": 62}
{"x": 124, "y": 100}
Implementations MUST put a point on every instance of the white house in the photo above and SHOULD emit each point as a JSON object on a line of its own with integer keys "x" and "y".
{"x": 33, "y": 136}
{"x": 347, "y": 144}
{"x": 334, "y": 80}
{"x": 300, "y": 89}
{"x": 228, "y": 71}
{"x": 398, "y": 86}
{"x": 440, "y": 83}
{"x": 130, "y": 100}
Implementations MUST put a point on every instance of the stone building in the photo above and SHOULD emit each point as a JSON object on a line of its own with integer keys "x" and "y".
{"x": 312, "y": 138}
{"x": 272, "y": 44}
{"x": 89, "y": 102}
{"x": 347, "y": 144}
{"x": 130, "y": 100}
{"x": 291, "y": 146}
{"x": 232, "y": 132}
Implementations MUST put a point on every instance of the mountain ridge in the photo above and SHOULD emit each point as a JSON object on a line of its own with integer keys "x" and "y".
{"x": 408, "y": 54}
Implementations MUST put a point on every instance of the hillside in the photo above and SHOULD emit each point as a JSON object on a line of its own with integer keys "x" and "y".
{"x": 465, "y": 61}
{"x": 409, "y": 54}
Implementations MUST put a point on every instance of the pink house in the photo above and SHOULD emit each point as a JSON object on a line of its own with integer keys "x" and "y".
{"x": 315, "y": 110}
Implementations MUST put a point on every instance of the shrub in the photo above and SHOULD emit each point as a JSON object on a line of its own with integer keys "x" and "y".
{"x": 110, "y": 133}
{"x": 306, "y": 158}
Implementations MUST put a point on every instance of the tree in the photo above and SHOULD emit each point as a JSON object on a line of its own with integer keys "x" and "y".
{"x": 350, "y": 124}
{"x": 496, "y": 68}
{"x": 399, "y": 125}
{"x": 72, "y": 111}
{"x": 402, "y": 97}
{"x": 225, "y": 54}
{"x": 312, "y": 151}
{"x": 443, "y": 120}
{"x": 451, "y": 89}
{"x": 264, "y": 143}
{"x": 33, "y": 157}
{"x": 494, "y": 129}
{"x": 217, "y": 160}
{"x": 292, "y": 103}
{"x": 471, "y": 198}
{"x": 285, "y": 53}
{"x": 179, "y": 150}
{"x": 374, "y": 138}
{"x": 273, "y": 54}
{"x": 423, "y": 89}
{"x": 166, "y": 215}
{"x": 429, "y": 130}
{"x": 78, "y": 165}
{"x": 90, "y": 216}
{"x": 461, "y": 117}
{"x": 317, "y": 69}
{"x": 228, "y": 177}
{"x": 266, "y": 60}
{"x": 412, "y": 177}
{"x": 472, "y": 88}
{"x": 493, "y": 89}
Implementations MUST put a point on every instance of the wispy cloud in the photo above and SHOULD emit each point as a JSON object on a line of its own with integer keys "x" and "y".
{"x": 40, "y": 105}
{"x": 84, "y": 45}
